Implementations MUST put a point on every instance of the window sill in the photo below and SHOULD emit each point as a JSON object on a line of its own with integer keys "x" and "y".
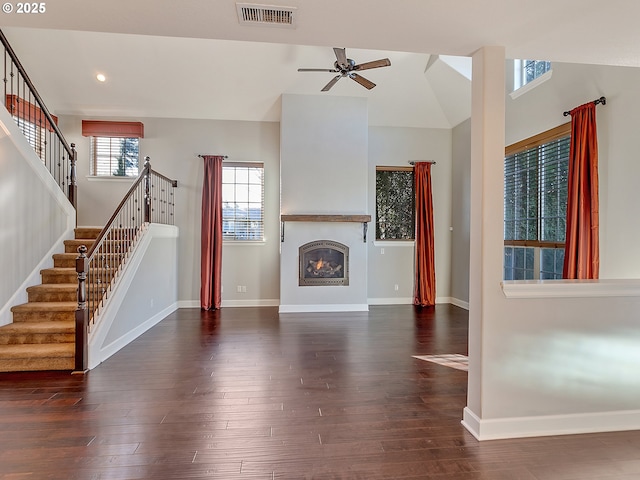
{"x": 105, "y": 178}
{"x": 571, "y": 288}
{"x": 394, "y": 243}
{"x": 531, "y": 85}
{"x": 245, "y": 243}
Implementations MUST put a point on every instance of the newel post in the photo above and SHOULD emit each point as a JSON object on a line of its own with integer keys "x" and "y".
{"x": 82, "y": 312}
{"x": 73, "y": 184}
{"x": 147, "y": 190}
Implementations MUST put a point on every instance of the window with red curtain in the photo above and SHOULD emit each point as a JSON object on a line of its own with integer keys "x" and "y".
{"x": 115, "y": 147}
{"x": 535, "y": 205}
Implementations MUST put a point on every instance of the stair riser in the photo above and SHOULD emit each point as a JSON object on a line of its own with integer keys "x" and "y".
{"x": 87, "y": 232}
{"x": 49, "y": 337}
{"x": 71, "y": 277}
{"x": 36, "y": 364}
{"x": 42, "y": 316}
{"x": 43, "y": 296}
{"x": 70, "y": 262}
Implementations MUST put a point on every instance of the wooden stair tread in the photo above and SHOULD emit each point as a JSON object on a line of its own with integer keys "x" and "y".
{"x": 64, "y": 326}
{"x": 45, "y": 306}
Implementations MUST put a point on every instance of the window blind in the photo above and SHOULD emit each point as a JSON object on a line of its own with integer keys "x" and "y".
{"x": 535, "y": 186}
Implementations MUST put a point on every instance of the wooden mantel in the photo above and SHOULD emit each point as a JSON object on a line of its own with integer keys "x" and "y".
{"x": 364, "y": 219}
{"x": 326, "y": 218}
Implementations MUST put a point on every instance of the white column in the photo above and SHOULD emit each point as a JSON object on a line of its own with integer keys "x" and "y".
{"x": 487, "y": 211}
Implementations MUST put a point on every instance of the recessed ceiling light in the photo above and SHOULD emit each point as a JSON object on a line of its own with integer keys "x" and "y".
{"x": 101, "y": 78}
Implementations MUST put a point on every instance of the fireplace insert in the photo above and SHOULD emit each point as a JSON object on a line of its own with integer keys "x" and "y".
{"x": 323, "y": 262}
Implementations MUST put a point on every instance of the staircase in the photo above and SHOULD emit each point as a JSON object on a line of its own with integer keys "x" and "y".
{"x": 42, "y": 335}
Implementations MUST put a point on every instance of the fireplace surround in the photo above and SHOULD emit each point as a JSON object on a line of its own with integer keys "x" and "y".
{"x": 323, "y": 263}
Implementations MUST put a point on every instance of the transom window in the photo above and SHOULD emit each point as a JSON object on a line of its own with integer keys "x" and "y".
{"x": 395, "y": 203}
{"x": 525, "y": 71}
{"x": 535, "y": 205}
{"x": 243, "y": 201}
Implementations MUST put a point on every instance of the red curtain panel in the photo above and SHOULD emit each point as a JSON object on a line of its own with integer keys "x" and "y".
{"x": 211, "y": 235}
{"x": 581, "y": 256}
{"x": 425, "y": 281}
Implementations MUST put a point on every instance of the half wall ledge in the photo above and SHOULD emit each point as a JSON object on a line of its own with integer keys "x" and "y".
{"x": 571, "y": 288}
{"x": 364, "y": 219}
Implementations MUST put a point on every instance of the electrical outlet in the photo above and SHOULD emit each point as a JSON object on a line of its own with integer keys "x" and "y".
{"x": 395, "y": 287}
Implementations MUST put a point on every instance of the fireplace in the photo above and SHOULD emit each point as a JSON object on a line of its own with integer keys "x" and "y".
{"x": 323, "y": 262}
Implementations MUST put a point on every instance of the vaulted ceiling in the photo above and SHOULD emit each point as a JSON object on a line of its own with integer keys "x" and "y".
{"x": 195, "y": 60}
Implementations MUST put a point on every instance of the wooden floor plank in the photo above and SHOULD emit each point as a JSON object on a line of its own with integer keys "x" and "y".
{"x": 246, "y": 393}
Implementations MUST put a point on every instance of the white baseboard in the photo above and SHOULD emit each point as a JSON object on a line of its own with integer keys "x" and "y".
{"x": 256, "y": 302}
{"x": 390, "y": 301}
{"x": 459, "y": 303}
{"x": 340, "y": 307}
{"x": 541, "y": 426}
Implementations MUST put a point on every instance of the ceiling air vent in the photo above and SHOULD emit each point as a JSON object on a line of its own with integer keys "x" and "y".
{"x": 252, "y": 14}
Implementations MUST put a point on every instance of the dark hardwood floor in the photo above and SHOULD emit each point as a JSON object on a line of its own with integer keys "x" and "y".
{"x": 245, "y": 393}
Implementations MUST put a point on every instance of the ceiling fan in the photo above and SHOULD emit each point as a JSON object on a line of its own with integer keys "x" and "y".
{"x": 346, "y": 67}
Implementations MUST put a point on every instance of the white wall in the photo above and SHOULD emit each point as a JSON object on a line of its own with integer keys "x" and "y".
{"x": 461, "y": 215}
{"x": 144, "y": 294}
{"x": 36, "y": 217}
{"x": 173, "y": 145}
{"x": 393, "y": 146}
{"x": 559, "y": 357}
{"x": 324, "y": 143}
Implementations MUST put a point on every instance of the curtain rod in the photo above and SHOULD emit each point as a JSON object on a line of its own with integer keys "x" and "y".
{"x": 223, "y": 156}
{"x": 413, "y": 162}
{"x": 601, "y": 100}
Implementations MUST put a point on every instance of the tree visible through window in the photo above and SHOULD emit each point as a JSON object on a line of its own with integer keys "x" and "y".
{"x": 242, "y": 201}
{"x": 535, "y": 205}
{"x": 395, "y": 203}
{"x": 114, "y": 156}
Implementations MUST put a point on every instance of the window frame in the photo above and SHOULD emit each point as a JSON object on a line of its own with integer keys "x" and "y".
{"x": 396, "y": 168}
{"x": 554, "y": 134}
{"x": 94, "y": 157}
{"x": 235, "y": 238}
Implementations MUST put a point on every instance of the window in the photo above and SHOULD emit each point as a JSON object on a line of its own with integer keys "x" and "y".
{"x": 33, "y": 123}
{"x": 243, "y": 201}
{"x": 115, "y": 147}
{"x": 395, "y": 203}
{"x": 525, "y": 71}
{"x": 536, "y": 173}
{"x": 112, "y": 156}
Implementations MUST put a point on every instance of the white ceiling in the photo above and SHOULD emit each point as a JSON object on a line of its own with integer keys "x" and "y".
{"x": 193, "y": 59}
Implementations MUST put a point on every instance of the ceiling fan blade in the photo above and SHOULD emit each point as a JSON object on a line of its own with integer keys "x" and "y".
{"x": 362, "y": 81}
{"x": 333, "y": 81}
{"x": 341, "y": 56}
{"x": 332, "y": 70}
{"x": 385, "y": 62}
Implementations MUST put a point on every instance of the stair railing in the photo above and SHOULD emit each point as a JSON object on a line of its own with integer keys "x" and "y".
{"x": 37, "y": 124}
{"x": 149, "y": 200}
